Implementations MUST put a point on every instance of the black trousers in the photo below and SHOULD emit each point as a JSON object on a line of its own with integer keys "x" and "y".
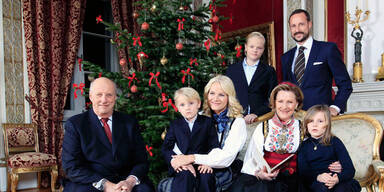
{"x": 249, "y": 183}
{"x": 184, "y": 181}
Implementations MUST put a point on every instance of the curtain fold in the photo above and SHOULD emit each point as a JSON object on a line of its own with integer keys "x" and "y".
{"x": 122, "y": 11}
{"x": 52, "y": 36}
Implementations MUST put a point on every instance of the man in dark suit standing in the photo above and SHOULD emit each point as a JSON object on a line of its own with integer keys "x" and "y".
{"x": 313, "y": 65}
{"x": 103, "y": 149}
{"x": 253, "y": 79}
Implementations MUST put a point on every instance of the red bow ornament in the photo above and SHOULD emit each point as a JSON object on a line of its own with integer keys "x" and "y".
{"x": 76, "y": 87}
{"x": 181, "y": 24}
{"x": 207, "y": 44}
{"x": 133, "y": 77}
{"x": 193, "y": 61}
{"x": 238, "y": 49}
{"x": 166, "y": 103}
{"x": 218, "y": 35}
{"x": 149, "y": 150}
{"x": 136, "y": 40}
{"x": 185, "y": 73}
{"x": 99, "y": 19}
{"x": 154, "y": 76}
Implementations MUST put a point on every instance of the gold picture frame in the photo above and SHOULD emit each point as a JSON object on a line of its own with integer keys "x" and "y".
{"x": 267, "y": 29}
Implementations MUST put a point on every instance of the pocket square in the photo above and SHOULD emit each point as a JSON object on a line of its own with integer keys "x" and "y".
{"x": 317, "y": 63}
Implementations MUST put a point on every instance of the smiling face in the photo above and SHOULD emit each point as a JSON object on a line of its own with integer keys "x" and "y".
{"x": 187, "y": 107}
{"x": 285, "y": 105}
{"x": 217, "y": 98}
{"x": 103, "y": 96}
{"x": 300, "y": 27}
{"x": 317, "y": 125}
{"x": 254, "y": 48}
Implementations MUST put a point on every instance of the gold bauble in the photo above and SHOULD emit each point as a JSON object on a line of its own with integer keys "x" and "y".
{"x": 163, "y": 134}
{"x": 163, "y": 60}
{"x": 181, "y": 8}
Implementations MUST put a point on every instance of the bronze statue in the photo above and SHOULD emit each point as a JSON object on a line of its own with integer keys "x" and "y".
{"x": 357, "y": 34}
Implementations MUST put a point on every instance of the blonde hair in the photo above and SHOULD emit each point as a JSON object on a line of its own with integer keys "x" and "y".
{"x": 326, "y": 138}
{"x": 188, "y": 92}
{"x": 287, "y": 86}
{"x": 234, "y": 107}
{"x": 255, "y": 34}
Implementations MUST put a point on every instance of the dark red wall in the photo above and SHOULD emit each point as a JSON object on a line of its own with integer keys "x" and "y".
{"x": 245, "y": 13}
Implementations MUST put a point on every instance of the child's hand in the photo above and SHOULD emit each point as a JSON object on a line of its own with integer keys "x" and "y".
{"x": 335, "y": 167}
{"x": 333, "y": 181}
{"x": 324, "y": 177}
{"x": 189, "y": 168}
{"x": 205, "y": 169}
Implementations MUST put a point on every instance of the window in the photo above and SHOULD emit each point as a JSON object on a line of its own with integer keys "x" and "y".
{"x": 95, "y": 46}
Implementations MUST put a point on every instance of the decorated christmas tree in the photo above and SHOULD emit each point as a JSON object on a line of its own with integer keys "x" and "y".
{"x": 177, "y": 46}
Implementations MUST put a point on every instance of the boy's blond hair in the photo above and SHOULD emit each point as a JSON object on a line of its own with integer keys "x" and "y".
{"x": 326, "y": 138}
{"x": 188, "y": 92}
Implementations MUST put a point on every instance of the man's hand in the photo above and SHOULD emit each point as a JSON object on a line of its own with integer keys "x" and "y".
{"x": 335, "y": 167}
{"x": 109, "y": 187}
{"x": 205, "y": 169}
{"x": 333, "y": 111}
{"x": 250, "y": 118}
{"x": 264, "y": 175}
{"x": 176, "y": 165}
{"x": 125, "y": 185}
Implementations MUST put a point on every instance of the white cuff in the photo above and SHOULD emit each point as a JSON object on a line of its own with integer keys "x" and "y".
{"x": 336, "y": 107}
{"x": 137, "y": 179}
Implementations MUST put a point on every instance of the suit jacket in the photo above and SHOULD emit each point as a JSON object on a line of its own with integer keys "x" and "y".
{"x": 201, "y": 140}
{"x": 256, "y": 95}
{"x": 88, "y": 156}
{"x": 324, "y": 64}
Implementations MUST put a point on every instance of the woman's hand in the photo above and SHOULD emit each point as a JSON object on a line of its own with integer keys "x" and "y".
{"x": 205, "y": 169}
{"x": 335, "y": 167}
{"x": 189, "y": 168}
{"x": 250, "y": 118}
{"x": 264, "y": 175}
{"x": 180, "y": 160}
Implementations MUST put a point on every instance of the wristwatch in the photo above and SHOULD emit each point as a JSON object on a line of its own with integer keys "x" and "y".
{"x": 100, "y": 185}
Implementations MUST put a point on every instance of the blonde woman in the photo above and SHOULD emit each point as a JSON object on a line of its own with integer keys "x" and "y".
{"x": 221, "y": 104}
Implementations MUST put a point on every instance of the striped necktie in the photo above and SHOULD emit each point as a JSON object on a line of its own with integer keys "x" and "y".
{"x": 300, "y": 65}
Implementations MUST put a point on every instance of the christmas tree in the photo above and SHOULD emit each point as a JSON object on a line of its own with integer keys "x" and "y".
{"x": 177, "y": 46}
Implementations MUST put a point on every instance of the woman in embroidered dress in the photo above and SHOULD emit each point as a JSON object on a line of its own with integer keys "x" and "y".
{"x": 221, "y": 104}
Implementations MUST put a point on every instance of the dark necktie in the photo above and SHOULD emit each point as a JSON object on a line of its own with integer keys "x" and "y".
{"x": 300, "y": 65}
{"x": 107, "y": 129}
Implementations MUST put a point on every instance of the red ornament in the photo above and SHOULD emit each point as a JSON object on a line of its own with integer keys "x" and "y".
{"x": 123, "y": 62}
{"x": 185, "y": 8}
{"x": 210, "y": 21}
{"x": 215, "y": 19}
{"x": 135, "y": 14}
{"x": 134, "y": 89}
{"x": 144, "y": 26}
{"x": 179, "y": 46}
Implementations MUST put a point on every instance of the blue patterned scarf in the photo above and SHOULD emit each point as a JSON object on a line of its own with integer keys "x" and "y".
{"x": 221, "y": 120}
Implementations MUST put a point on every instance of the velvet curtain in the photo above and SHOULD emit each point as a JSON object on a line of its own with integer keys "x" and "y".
{"x": 122, "y": 11}
{"x": 52, "y": 36}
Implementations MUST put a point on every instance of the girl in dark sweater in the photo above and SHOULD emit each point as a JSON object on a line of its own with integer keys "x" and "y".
{"x": 319, "y": 151}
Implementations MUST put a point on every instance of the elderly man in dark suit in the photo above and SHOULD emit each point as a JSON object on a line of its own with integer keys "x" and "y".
{"x": 253, "y": 79}
{"x": 313, "y": 65}
{"x": 103, "y": 149}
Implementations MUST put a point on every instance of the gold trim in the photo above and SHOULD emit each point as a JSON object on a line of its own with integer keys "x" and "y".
{"x": 265, "y": 28}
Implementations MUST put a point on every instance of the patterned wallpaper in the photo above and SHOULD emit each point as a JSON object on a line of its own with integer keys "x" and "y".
{"x": 13, "y": 61}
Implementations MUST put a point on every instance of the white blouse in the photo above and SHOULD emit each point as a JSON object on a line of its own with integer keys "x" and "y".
{"x": 221, "y": 158}
{"x": 250, "y": 166}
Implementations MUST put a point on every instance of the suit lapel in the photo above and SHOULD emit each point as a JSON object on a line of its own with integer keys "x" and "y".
{"x": 291, "y": 56}
{"x": 117, "y": 131}
{"x": 258, "y": 73}
{"x": 241, "y": 73}
{"x": 196, "y": 126}
{"x": 312, "y": 57}
{"x": 98, "y": 128}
